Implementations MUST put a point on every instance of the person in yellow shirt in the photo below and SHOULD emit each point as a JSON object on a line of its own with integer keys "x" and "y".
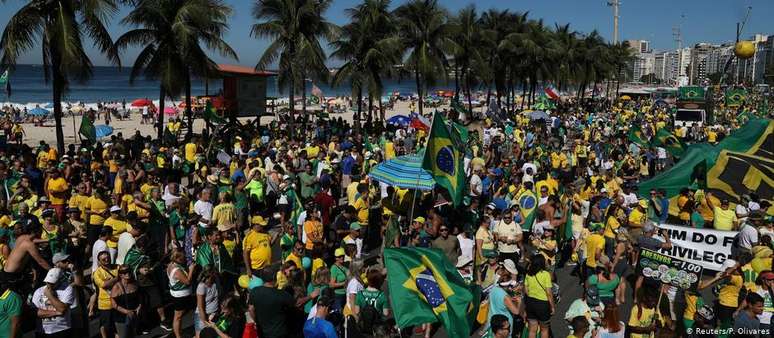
{"x": 96, "y": 210}
{"x": 362, "y": 205}
{"x": 645, "y": 317}
{"x": 57, "y": 188}
{"x": 724, "y": 217}
{"x": 256, "y": 246}
{"x": 190, "y": 151}
{"x": 637, "y": 218}
{"x": 104, "y": 277}
{"x": 595, "y": 247}
{"x": 119, "y": 226}
{"x": 296, "y": 255}
{"x": 224, "y": 213}
{"x": 731, "y": 280}
{"x": 313, "y": 229}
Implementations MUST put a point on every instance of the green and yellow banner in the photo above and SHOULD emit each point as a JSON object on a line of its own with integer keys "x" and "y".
{"x": 735, "y": 97}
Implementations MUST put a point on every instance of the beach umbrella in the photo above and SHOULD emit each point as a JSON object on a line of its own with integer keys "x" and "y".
{"x": 403, "y": 172}
{"x": 77, "y": 109}
{"x": 50, "y": 106}
{"x": 103, "y": 130}
{"x": 399, "y": 120}
{"x": 538, "y": 115}
{"x": 170, "y": 111}
{"x": 142, "y": 103}
{"x": 37, "y": 111}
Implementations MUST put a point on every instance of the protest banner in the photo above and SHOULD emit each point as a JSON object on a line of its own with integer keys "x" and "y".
{"x": 664, "y": 269}
{"x": 706, "y": 247}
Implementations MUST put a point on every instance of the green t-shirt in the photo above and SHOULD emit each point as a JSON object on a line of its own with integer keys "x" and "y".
{"x": 697, "y": 219}
{"x": 376, "y": 298}
{"x": 339, "y": 274}
{"x": 309, "y": 289}
{"x": 308, "y": 187}
{"x": 255, "y": 188}
{"x": 10, "y": 306}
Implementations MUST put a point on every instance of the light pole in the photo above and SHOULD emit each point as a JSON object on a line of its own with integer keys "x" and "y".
{"x": 615, "y": 4}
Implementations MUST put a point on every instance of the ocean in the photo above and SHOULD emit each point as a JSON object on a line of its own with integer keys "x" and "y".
{"x": 112, "y": 84}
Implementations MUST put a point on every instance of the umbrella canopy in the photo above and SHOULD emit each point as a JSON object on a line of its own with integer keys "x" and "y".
{"x": 404, "y": 172}
{"x": 170, "y": 110}
{"x": 399, "y": 120}
{"x": 37, "y": 111}
{"x": 626, "y": 97}
{"x": 538, "y": 115}
{"x": 142, "y": 103}
{"x": 103, "y": 130}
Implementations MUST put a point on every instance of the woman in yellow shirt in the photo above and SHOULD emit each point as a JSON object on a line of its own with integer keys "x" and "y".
{"x": 540, "y": 299}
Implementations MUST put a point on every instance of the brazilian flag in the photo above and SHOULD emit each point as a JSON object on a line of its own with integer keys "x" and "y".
{"x": 636, "y": 136}
{"x": 444, "y": 159}
{"x": 691, "y": 93}
{"x": 425, "y": 287}
{"x": 735, "y": 97}
{"x": 87, "y": 129}
{"x": 528, "y": 202}
{"x": 211, "y": 115}
{"x": 669, "y": 142}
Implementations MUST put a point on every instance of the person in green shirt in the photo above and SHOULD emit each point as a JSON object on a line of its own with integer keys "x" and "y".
{"x": 308, "y": 183}
{"x": 288, "y": 240}
{"x": 10, "y": 314}
{"x": 339, "y": 274}
{"x": 320, "y": 281}
{"x": 213, "y": 253}
{"x": 372, "y": 295}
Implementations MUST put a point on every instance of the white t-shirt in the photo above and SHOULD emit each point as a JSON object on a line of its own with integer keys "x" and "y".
{"x": 353, "y": 287}
{"x": 99, "y": 246}
{"x": 125, "y": 242}
{"x": 630, "y": 199}
{"x": 210, "y": 294}
{"x": 508, "y": 231}
{"x": 466, "y": 246}
{"x": 476, "y": 186}
{"x": 540, "y": 227}
{"x": 203, "y": 209}
{"x": 765, "y": 317}
{"x": 59, "y": 323}
{"x": 747, "y": 236}
{"x": 661, "y": 153}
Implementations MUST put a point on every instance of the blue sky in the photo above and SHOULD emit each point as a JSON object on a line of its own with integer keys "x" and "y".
{"x": 700, "y": 21}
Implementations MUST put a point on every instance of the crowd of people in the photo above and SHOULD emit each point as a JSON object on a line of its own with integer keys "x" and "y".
{"x": 281, "y": 234}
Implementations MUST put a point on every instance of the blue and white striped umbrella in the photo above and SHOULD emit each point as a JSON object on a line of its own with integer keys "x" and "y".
{"x": 403, "y": 172}
{"x": 103, "y": 130}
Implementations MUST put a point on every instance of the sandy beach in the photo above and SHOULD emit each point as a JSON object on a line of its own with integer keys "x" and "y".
{"x": 128, "y": 127}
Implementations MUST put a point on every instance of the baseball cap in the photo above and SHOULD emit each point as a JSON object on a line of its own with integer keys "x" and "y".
{"x": 53, "y": 275}
{"x": 420, "y": 219}
{"x": 510, "y": 266}
{"x": 644, "y": 203}
{"x": 338, "y": 252}
{"x": 592, "y": 296}
{"x": 115, "y": 208}
{"x": 259, "y": 220}
{"x": 355, "y": 226}
{"x": 58, "y": 257}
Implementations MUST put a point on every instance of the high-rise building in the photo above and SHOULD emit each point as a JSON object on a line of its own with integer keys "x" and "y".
{"x": 698, "y": 64}
{"x": 643, "y": 59}
{"x": 659, "y": 64}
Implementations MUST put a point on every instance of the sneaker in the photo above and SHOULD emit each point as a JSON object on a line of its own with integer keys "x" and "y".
{"x": 166, "y": 326}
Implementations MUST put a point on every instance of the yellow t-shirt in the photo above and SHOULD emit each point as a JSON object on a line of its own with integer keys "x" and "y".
{"x": 119, "y": 227}
{"x": 389, "y": 150}
{"x": 593, "y": 243}
{"x": 729, "y": 293}
{"x": 642, "y": 317}
{"x": 97, "y": 207}
{"x": 724, "y": 219}
{"x": 224, "y": 214}
{"x": 690, "y": 306}
{"x": 314, "y": 233}
{"x": 537, "y": 285}
{"x": 611, "y": 226}
{"x": 362, "y": 211}
{"x": 258, "y": 244}
{"x": 118, "y": 186}
{"x": 681, "y": 201}
{"x": 636, "y": 217}
{"x": 282, "y": 280}
{"x": 316, "y": 264}
{"x": 101, "y": 276}
{"x": 295, "y": 259}
{"x": 56, "y": 189}
{"x": 352, "y": 192}
{"x": 190, "y": 152}
{"x": 42, "y": 160}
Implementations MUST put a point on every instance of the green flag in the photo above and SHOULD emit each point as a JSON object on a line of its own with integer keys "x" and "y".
{"x": 444, "y": 159}
{"x": 87, "y": 130}
{"x": 636, "y": 136}
{"x": 669, "y": 141}
{"x": 735, "y": 97}
{"x": 528, "y": 202}
{"x": 425, "y": 287}
{"x": 690, "y": 93}
{"x": 211, "y": 115}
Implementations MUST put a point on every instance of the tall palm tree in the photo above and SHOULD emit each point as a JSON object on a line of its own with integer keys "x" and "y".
{"x": 60, "y": 26}
{"x": 426, "y": 36}
{"x": 467, "y": 34}
{"x": 295, "y": 28}
{"x": 169, "y": 33}
{"x": 367, "y": 45}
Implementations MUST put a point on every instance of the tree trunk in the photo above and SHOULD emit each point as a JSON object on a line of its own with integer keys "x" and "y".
{"x": 58, "y": 87}
{"x": 420, "y": 104}
{"x": 359, "y": 108}
{"x": 456, "y": 84}
{"x": 188, "y": 110}
{"x": 160, "y": 125}
{"x": 523, "y": 93}
{"x": 470, "y": 98}
{"x": 370, "y": 109}
{"x": 292, "y": 97}
{"x": 381, "y": 112}
{"x": 303, "y": 100}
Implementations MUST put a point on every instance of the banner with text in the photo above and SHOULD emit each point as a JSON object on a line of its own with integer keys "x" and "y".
{"x": 668, "y": 270}
{"x": 706, "y": 247}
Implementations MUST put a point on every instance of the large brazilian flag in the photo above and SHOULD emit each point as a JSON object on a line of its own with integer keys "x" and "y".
{"x": 669, "y": 141}
{"x": 425, "y": 287}
{"x": 444, "y": 159}
{"x": 735, "y": 97}
{"x": 528, "y": 202}
{"x": 741, "y": 163}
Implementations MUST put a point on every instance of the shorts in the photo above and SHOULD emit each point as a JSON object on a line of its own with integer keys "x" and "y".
{"x": 182, "y": 303}
{"x": 106, "y": 319}
{"x": 539, "y": 310}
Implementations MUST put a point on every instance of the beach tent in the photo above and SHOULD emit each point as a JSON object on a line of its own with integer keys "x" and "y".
{"x": 37, "y": 111}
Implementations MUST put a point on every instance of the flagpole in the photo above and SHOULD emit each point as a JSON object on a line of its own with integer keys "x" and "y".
{"x": 414, "y": 199}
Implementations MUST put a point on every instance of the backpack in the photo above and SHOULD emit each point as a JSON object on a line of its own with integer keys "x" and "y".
{"x": 370, "y": 318}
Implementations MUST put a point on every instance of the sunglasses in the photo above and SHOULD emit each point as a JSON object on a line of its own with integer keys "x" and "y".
{"x": 123, "y": 272}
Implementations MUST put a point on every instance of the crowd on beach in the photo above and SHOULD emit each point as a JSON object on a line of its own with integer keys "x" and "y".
{"x": 282, "y": 235}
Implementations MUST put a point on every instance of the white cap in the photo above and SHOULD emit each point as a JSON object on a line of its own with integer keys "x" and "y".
{"x": 115, "y": 208}
{"x": 510, "y": 266}
{"x": 463, "y": 260}
{"x": 53, "y": 275}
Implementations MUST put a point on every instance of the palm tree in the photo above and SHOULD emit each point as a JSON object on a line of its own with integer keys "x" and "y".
{"x": 368, "y": 46}
{"x": 60, "y": 26}
{"x": 467, "y": 34}
{"x": 169, "y": 33}
{"x": 295, "y": 27}
{"x": 425, "y": 34}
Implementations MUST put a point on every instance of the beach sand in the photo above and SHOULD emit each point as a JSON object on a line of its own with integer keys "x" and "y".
{"x": 127, "y": 127}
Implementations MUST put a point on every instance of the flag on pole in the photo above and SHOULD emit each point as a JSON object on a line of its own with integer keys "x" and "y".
{"x": 528, "y": 202}
{"x": 670, "y": 142}
{"x": 316, "y": 93}
{"x": 551, "y": 92}
{"x": 444, "y": 159}
{"x": 87, "y": 129}
{"x": 6, "y": 83}
{"x": 211, "y": 115}
{"x": 425, "y": 287}
{"x": 636, "y": 136}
